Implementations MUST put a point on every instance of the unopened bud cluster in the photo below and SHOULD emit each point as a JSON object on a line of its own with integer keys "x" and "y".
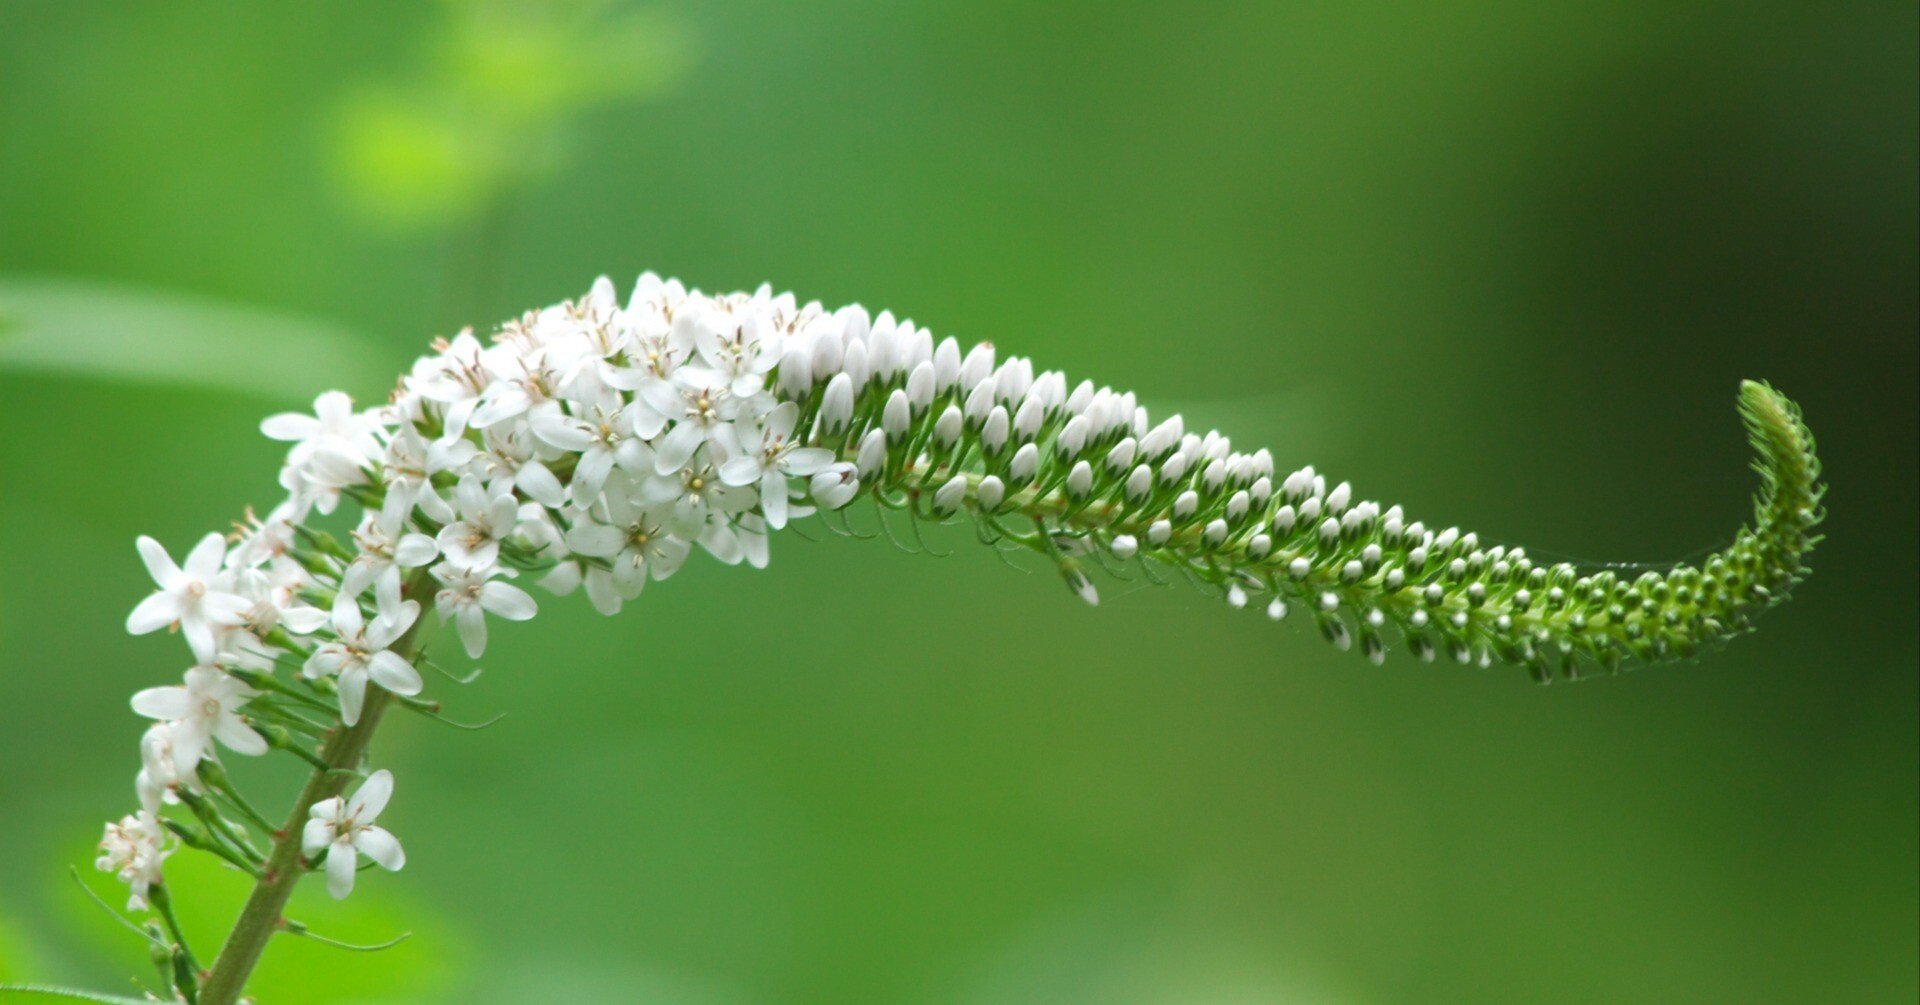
{"x": 597, "y": 444}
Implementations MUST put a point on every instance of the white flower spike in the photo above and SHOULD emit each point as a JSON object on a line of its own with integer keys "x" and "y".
{"x": 593, "y": 445}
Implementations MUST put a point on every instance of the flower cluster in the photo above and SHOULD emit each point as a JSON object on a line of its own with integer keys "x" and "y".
{"x": 597, "y": 444}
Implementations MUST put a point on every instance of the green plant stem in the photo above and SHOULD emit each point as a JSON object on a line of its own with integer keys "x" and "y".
{"x": 261, "y": 917}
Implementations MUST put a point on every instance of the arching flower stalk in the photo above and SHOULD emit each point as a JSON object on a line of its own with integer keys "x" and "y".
{"x": 600, "y": 443}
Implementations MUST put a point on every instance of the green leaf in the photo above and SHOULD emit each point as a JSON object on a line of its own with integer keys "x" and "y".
{"x": 103, "y": 331}
{"x": 71, "y": 994}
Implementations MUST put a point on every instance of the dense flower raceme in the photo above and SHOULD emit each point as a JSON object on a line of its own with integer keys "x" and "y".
{"x": 599, "y": 444}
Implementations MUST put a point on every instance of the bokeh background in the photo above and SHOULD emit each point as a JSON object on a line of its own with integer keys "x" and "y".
{"x": 1500, "y": 262}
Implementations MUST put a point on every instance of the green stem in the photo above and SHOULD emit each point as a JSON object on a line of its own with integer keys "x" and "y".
{"x": 262, "y": 915}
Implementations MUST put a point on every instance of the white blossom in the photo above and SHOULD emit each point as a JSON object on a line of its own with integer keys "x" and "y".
{"x": 133, "y": 848}
{"x": 201, "y": 710}
{"x": 191, "y": 596}
{"x": 345, "y": 830}
{"x": 468, "y": 595}
{"x": 361, "y": 650}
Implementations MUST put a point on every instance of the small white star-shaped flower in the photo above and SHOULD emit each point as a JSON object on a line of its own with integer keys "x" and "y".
{"x": 344, "y": 829}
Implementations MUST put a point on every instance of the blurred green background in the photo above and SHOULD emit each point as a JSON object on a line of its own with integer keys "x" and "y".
{"x": 1500, "y": 262}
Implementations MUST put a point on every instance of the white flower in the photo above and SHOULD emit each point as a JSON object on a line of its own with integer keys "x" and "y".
{"x": 160, "y": 778}
{"x": 468, "y": 595}
{"x": 331, "y": 448}
{"x": 334, "y": 425}
{"x": 638, "y": 543}
{"x": 512, "y": 461}
{"x": 345, "y": 830}
{"x": 454, "y": 379}
{"x": 700, "y": 406}
{"x": 363, "y": 650}
{"x": 408, "y": 469}
{"x": 188, "y": 597}
{"x": 385, "y": 547}
{"x": 602, "y": 436}
{"x": 134, "y": 848}
{"x": 201, "y": 711}
{"x": 698, "y": 498}
{"x": 524, "y": 380}
{"x": 766, "y": 453}
{"x": 738, "y": 346}
{"x": 485, "y": 517}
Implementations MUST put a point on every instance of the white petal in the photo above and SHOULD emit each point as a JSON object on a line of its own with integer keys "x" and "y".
{"x": 415, "y": 550}
{"x": 508, "y": 601}
{"x": 238, "y": 736}
{"x": 353, "y": 694}
{"x": 154, "y": 613}
{"x": 341, "y": 861}
{"x": 204, "y": 561}
{"x": 393, "y": 673}
{"x": 159, "y": 564}
{"x": 377, "y": 844}
{"x": 677, "y": 447}
{"x": 740, "y": 470}
{"x": 596, "y": 539}
{"x": 161, "y": 702}
{"x": 540, "y": 485}
{"x": 472, "y": 625}
{"x": 316, "y": 835}
{"x": 372, "y": 798}
{"x": 289, "y": 426}
{"x": 804, "y": 461}
{"x": 304, "y": 620}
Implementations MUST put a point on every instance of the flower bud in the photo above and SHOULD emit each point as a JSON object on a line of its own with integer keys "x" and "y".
{"x": 1173, "y": 469}
{"x": 897, "y": 415}
{"x": 834, "y": 487}
{"x": 836, "y": 405}
{"x": 947, "y": 498}
{"x": 991, "y": 493}
{"x": 1121, "y": 456}
{"x": 1139, "y": 482}
{"x": 920, "y": 385}
{"x": 1186, "y": 504}
{"x": 977, "y": 366}
{"x": 1159, "y": 532}
{"x": 796, "y": 373}
{"x": 873, "y": 454}
{"x": 1027, "y": 420}
{"x": 979, "y": 402}
{"x": 828, "y": 351}
{"x": 1124, "y": 546}
{"x": 1338, "y": 499}
{"x": 947, "y": 428}
{"x": 1073, "y": 436}
{"x": 993, "y": 432}
{"x": 1026, "y": 462}
{"x": 854, "y": 364}
{"x": 1080, "y": 480}
{"x": 946, "y": 365}
{"x": 1077, "y": 401}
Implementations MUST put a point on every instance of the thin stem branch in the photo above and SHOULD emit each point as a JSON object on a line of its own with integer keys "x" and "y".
{"x": 262, "y": 915}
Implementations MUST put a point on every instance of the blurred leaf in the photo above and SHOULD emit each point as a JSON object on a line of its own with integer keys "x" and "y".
{"x": 106, "y": 332}
{"x": 487, "y": 107}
